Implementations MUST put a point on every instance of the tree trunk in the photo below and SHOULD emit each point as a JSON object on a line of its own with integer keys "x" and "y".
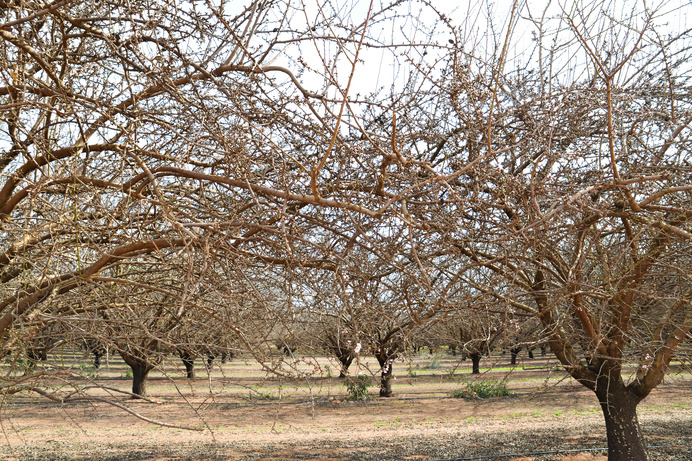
{"x": 33, "y": 357}
{"x": 37, "y": 355}
{"x": 625, "y": 441}
{"x": 346, "y": 360}
{"x": 386, "y": 363}
{"x": 139, "y": 379}
{"x": 514, "y": 353}
{"x": 386, "y": 380}
{"x": 189, "y": 363}
{"x": 209, "y": 362}
{"x": 97, "y": 359}
{"x": 189, "y": 368}
{"x": 140, "y": 369}
{"x": 603, "y": 375}
{"x": 476, "y": 360}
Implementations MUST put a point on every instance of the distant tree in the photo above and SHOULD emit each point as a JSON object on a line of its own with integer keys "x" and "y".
{"x": 335, "y": 339}
{"x": 521, "y": 335}
{"x": 472, "y": 332}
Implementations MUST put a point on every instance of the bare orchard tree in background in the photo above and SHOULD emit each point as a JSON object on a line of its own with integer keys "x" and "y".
{"x": 132, "y": 131}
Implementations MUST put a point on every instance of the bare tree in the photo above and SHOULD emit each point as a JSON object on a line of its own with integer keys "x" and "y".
{"x": 575, "y": 187}
{"x": 471, "y": 331}
{"x": 229, "y": 142}
{"x": 131, "y": 131}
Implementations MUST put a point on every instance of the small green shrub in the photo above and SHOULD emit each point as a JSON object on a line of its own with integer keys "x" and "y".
{"x": 435, "y": 363}
{"x": 483, "y": 389}
{"x": 88, "y": 370}
{"x": 357, "y": 388}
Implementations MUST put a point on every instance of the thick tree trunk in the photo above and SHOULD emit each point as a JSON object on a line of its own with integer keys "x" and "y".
{"x": 346, "y": 360}
{"x": 386, "y": 380}
{"x": 604, "y": 376}
{"x": 344, "y": 355}
{"x": 625, "y": 441}
{"x": 189, "y": 363}
{"x": 97, "y": 359}
{"x": 189, "y": 368}
{"x": 139, "y": 379}
{"x": 209, "y": 362}
{"x": 140, "y": 370}
{"x": 386, "y": 363}
{"x": 476, "y": 360}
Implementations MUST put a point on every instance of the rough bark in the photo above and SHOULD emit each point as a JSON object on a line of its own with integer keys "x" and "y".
{"x": 139, "y": 379}
{"x": 96, "y": 349}
{"x": 603, "y": 375}
{"x": 619, "y": 406}
{"x": 344, "y": 354}
{"x": 346, "y": 360}
{"x": 386, "y": 381}
{"x": 97, "y": 359}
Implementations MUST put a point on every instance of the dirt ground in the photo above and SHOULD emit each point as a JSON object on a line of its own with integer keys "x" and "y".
{"x": 559, "y": 422}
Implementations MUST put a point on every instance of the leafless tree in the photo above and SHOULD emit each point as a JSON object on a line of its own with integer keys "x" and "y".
{"x": 575, "y": 187}
{"x": 132, "y": 131}
{"x": 473, "y": 332}
{"x": 228, "y": 143}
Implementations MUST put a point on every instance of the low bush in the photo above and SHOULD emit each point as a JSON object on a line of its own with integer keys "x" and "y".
{"x": 357, "y": 387}
{"x": 483, "y": 389}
